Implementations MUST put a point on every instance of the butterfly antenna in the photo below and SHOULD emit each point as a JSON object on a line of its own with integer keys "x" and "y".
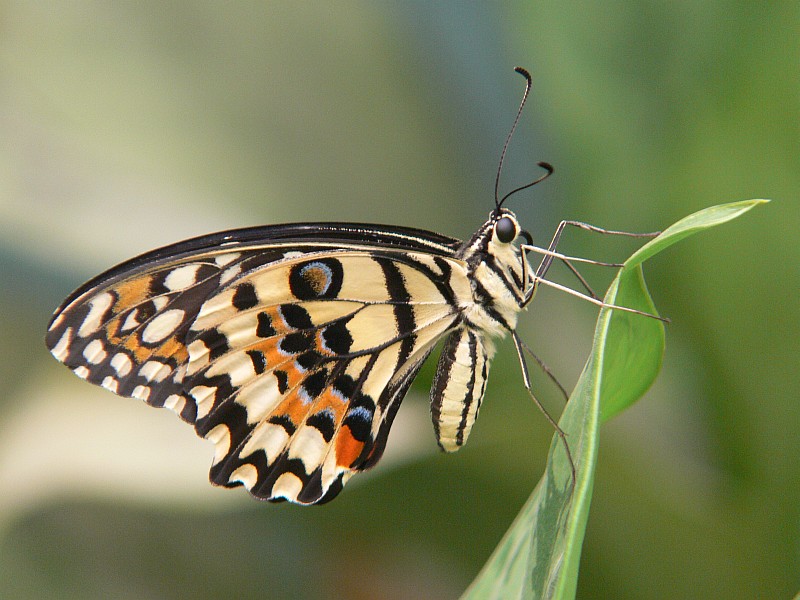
{"x": 527, "y": 76}
{"x": 546, "y": 166}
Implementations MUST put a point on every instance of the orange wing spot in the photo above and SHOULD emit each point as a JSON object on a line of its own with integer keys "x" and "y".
{"x": 110, "y": 328}
{"x": 272, "y": 356}
{"x": 276, "y": 320}
{"x": 328, "y": 400}
{"x": 294, "y": 408}
{"x": 140, "y": 353}
{"x": 348, "y": 448}
{"x": 317, "y": 278}
{"x": 172, "y": 348}
{"x": 132, "y": 292}
{"x": 319, "y": 345}
{"x": 294, "y": 376}
{"x": 297, "y": 408}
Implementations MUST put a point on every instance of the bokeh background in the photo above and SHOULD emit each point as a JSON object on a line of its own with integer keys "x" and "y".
{"x": 125, "y": 126}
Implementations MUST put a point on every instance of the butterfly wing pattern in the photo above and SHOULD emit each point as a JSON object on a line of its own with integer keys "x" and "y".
{"x": 291, "y": 347}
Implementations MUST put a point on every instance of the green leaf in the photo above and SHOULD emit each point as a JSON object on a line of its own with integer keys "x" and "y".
{"x": 539, "y": 555}
{"x": 634, "y": 345}
{"x": 704, "y": 219}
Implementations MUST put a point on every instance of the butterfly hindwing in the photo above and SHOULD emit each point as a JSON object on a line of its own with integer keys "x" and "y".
{"x": 314, "y": 372}
{"x": 292, "y": 358}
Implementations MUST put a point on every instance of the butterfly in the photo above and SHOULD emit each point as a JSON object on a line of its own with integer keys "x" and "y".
{"x": 291, "y": 347}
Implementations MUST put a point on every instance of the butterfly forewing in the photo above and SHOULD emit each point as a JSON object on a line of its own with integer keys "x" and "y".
{"x": 290, "y": 356}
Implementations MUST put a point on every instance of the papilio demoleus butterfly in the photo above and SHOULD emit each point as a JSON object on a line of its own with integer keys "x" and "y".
{"x": 291, "y": 347}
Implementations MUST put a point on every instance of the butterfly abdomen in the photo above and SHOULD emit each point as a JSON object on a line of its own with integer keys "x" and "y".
{"x": 458, "y": 387}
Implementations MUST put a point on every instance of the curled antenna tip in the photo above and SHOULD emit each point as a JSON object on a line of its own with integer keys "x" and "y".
{"x": 546, "y": 166}
{"x": 524, "y": 72}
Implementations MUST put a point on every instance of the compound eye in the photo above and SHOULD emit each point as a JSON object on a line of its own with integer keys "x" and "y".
{"x": 505, "y": 229}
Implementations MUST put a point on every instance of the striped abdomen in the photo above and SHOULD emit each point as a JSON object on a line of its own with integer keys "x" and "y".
{"x": 458, "y": 387}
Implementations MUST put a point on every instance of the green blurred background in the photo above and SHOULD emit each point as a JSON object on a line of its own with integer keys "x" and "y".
{"x": 125, "y": 126}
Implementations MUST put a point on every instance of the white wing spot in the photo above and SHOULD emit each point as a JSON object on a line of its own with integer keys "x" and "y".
{"x": 154, "y": 370}
{"x": 142, "y": 392}
{"x": 175, "y": 403}
{"x": 287, "y": 486}
{"x": 121, "y": 363}
{"x": 198, "y": 356}
{"x": 240, "y": 369}
{"x": 267, "y": 437}
{"x": 162, "y": 326}
{"x": 309, "y": 446}
{"x": 131, "y": 322}
{"x": 110, "y": 384}
{"x": 224, "y": 259}
{"x": 230, "y": 273}
{"x": 179, "y": 373}
{"x": 204, "y": 397}
{"x": 221, "y": 437}
{"x": 99, "y": 305}
{"x": 160, "y": 302}
{"x": 95, "y": 352}
{"x": 181, "y": 278}
{"x": 246, "y": 474}
{"x": 61, "y": 349}
{"x": 260, "y": 397}
{"x": 81, "y": 372}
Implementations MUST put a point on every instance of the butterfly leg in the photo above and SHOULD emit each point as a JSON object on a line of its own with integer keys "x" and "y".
{"x": 545, "y": 369}
{"x": 599, "y": 302}
{"x": 550, "y": 254}
{"x": 568, "y": 260}
{"x": 547, "y": 260}
{"x": 519, "y": 345}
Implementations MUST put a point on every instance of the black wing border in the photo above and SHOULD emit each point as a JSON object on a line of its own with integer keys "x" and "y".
{"x": 369, "y": 236}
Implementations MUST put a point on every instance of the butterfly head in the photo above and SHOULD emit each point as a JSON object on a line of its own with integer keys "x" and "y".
{"x": 502, "y": 230}
{"x": 506, "y": 228}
